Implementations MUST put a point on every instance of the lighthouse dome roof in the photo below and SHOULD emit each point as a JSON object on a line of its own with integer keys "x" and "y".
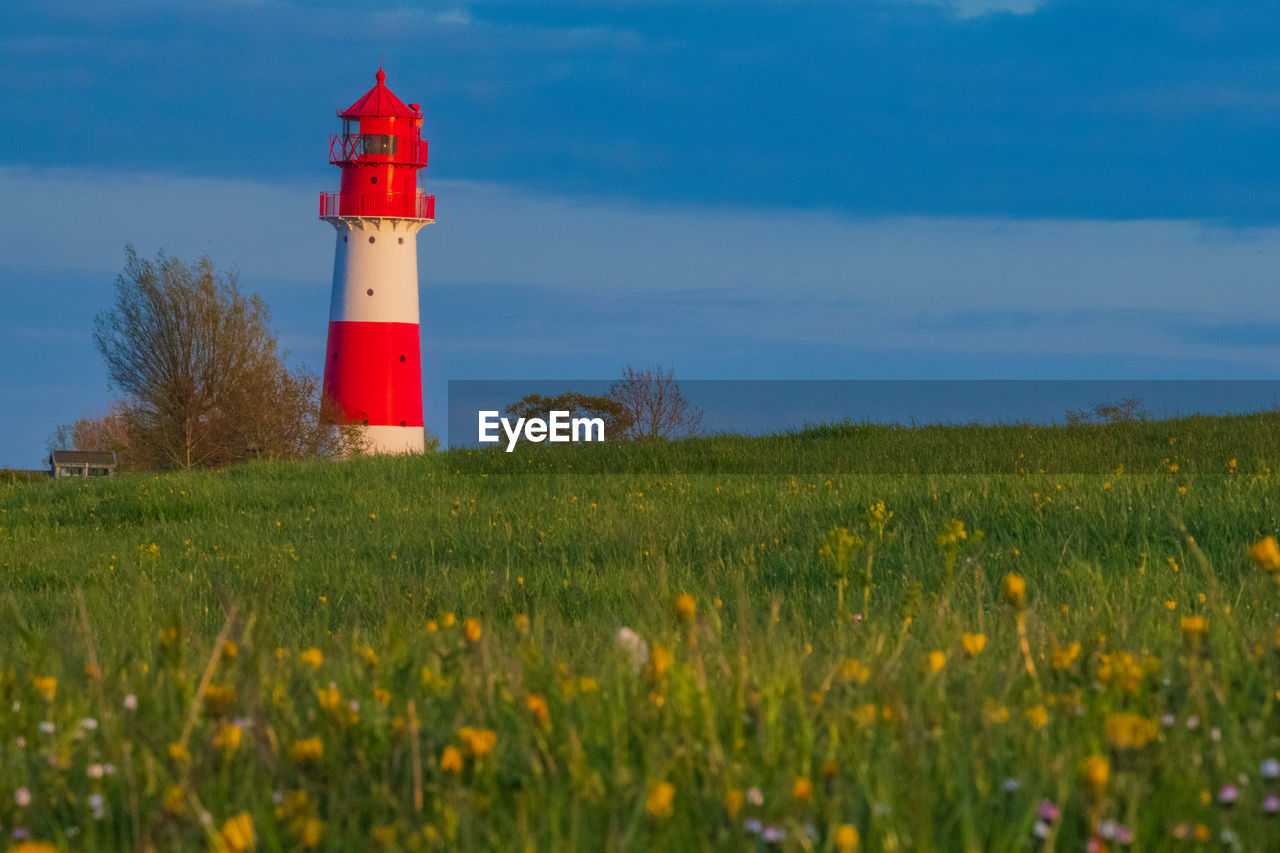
{"x": 378, "y": 101}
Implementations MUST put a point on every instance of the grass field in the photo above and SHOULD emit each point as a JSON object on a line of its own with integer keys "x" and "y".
{"x": 1024, "y": 638}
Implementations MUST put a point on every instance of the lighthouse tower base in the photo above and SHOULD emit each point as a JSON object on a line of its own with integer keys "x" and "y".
{"x": 373, "y": 360}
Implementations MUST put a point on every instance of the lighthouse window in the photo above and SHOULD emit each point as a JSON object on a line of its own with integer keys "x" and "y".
{"x": 376, "y": 143}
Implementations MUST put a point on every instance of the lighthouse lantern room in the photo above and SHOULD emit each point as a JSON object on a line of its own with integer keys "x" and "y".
{"x": 373, "y": 368}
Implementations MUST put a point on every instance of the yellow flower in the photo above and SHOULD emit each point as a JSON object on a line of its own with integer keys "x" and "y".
{"x": 449, "y": 620}
{"x": 34, "y": 847}
{"x": 230, "y": 650}
{"x": 1015, "y": 590}
{"x": 1038, "y": 716}
{"x": 686, "y": 607}
{"x": 1064, "y": 658}
{"x": 236, "y": 835}
{"x": 658, "y": 803}
{"x": 478, "y": 741}
{"x": 847, "y": 838}
{"x": 659, "y": 659}
{"x": 432, "y": 626}
{"x": 218, "y": 699}
{"x": 802, "y": 790}
{"x": 537, "y": 706}
{"x": 865, "y": 715}
{"x": 227, "y": 738}
{"x": 309, "y": 832}
{"x": 451, "y": 760}
{"x": 935, "y": 661}
{"x": 46, "y": 686}
{"x": 952, "y": 532}
{"x": 852, "y": 670}
{"x": 1194, "y": 629}
{"x": 472, "y": 630}
{"x": 1129, "y": 731}
{"x": 307, "y": 751}
{"x": 179, "y": 752}
{"x": 329, "y": 697}
{"x": 312, "y": 656}
{"x": 522, "y": 624}
{"x": 733, "y": 801}
{"x": 174, "y": 800}
{"x": 1265, "y": 554}
{"x": 382, "y": 696}
{"x": 973, "y": 644}
{"x": 383, "y": 836}
{"x": 1096, "y": 771}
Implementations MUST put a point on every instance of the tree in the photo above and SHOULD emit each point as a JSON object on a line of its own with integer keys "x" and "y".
{"x": 108, "y": 432}
{"x": 617, "y": 421}
{"x": 204, "y": 381}
{"x": 653, "y": 403}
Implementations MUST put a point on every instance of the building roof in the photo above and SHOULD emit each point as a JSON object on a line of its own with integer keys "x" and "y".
{"x": 378, "y": 101}
{"x": 96, "y": 458}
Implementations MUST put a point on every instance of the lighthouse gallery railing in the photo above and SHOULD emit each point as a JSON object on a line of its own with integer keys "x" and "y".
{"x": 352, "y": 204}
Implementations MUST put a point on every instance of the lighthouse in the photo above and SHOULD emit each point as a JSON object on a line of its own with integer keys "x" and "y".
{"x": 373, "y": 360}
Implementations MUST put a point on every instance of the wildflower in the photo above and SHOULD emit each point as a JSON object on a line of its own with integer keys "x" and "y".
{"x": 382, "y": 696}
{"x": 635, "y": 647}
{"x": 1096, "y": 771}
{"x": 846, "y": 838}
{"x": 658, "y": 803}
{"x": 174, "y": 800}
{"x": 46, "y": 686}
{"x": 312, "y": 656}
{"x": 659, "y": 660}
{"x": 309, "y": 832}
{"x": 522, "y": 624}
{"x": 1047, "y": 811}
{"x": 130, "y": 702}
{"x": 537, "y": 706}
{"x": 1270, "y": 804}
{"x": 218, "y": 699}
{"x": 236, "y": 835}
{"x": 472, "y": 630}
{"x": 368, "y": 655}
{"x": 449, "y": 620}
{"x": 852, "y": 670}
{"x": 973, "y": 644}
{"x": 227, "y": 738}
{"x": 865, "y": 715}
{"x": 1265, "y": 554}
{"x": 755, "y": 796}
{"x": 451, "y": 760}
{"x": 1064, "y": 658}
{"x": 802, "y": 790}
{"x": 32, "y": 846}
{"x": 1038, "y": 716}
{"x": 952, "y": 532}
{"x": 686, "y": 607}
{"x": 1194, "y": 629}
{"x": 230, "y": 650}
{"x": 1228, "y": 795}
{"x": 22, "y": 798}
{"x": 1014, "y": 589}
{"x": 1270, "y": 769}
{"x": 329, "y": 697}
{"x": 478, "y": 741}
{"x": 733, "y": 801}
{"x": 1129, "y": 731}
{"x": 179, "y": 752}
{"x": 935, "y": 661}
{"x": 307, "y": 751}
{"x": 383, "y": 837}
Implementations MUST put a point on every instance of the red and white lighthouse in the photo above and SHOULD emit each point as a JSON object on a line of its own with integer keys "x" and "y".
{"x": 373, "y": 361}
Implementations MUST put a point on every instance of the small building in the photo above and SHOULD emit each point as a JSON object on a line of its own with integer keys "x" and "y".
{"x": 82, "y": 463}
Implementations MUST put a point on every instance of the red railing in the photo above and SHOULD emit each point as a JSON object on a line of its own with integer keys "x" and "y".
{"x": 423, "y": 206}
{"x": 348, "y": 148}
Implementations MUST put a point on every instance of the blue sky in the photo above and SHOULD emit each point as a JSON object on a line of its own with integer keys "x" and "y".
{"x": 895, "y": 189}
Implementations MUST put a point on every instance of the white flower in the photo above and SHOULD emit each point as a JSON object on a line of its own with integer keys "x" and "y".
{"x": 755, "y": 796}
{"x": 95, "y": 771}
{"x": 635, "y": 647}
{"x": 22, "y": 797}
{"x": 131, "y": 702}
{"x": 88, "y": 724}
{"x": 46, "y": 726}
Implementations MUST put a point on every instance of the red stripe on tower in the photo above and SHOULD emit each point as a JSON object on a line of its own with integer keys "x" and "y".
{"x": 373, "y": 361}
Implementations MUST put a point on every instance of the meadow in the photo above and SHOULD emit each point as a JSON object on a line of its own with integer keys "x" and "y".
{"x": 847, "y": 638}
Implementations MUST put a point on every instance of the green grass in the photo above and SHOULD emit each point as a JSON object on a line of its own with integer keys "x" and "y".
{"x": 359, "y": 559}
